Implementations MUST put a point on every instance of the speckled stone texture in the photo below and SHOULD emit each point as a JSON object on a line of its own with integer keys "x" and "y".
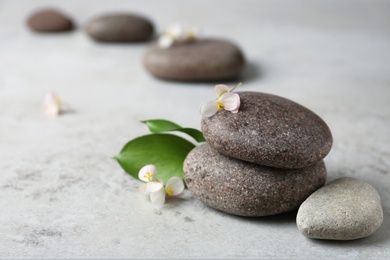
{"x": 120, "y": 27}
{"x": 344, "y": 209}
{"x": 248, "y": 189}
{"x": 49, "y": 21}
{"x": 269, "y": 130}
{"x": 205, "y": 59}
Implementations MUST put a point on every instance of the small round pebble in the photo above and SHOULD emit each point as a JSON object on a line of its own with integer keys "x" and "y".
{"x": 49, "y": 20}
{"x": 248, "y": 189}
{"x": 269, "y": 130}
{"x": 201, "y": 60}
{"x": 120, "y": 27}
{"x": 344, "y": 209}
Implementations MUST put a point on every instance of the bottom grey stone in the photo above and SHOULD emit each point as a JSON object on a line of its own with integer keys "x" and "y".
{"x": 344, "y": 209}
{"x": 247, "y": 189}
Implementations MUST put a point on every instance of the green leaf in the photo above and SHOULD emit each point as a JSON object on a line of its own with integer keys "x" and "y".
{"x": 161, "y": 125}
{"x": 166, "y": 151}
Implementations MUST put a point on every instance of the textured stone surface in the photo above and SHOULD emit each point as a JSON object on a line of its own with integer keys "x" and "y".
{"x": 248, "y": 189}
{"x": 269, "y": 130}
{"x": 205, "y": 59}
{"x": 344, "y": 209}
{"x": 49, "y": 20}
{"x": 120, "y": 27}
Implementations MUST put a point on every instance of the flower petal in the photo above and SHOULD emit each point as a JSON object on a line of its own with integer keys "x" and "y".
{"x": 165, "y": 41}
{"x": 209, "y": 108}
{"x": 230, "y": 101}
{"x": 220, "y": 89}
{"x": 53, "y": 110}
{"x": 153, "y": 186}
{"x": 176, "y": 185}
{"x": 142, "y": 188}
{"x": 147, "y": 172}
{"x": 234, "y": 111}
{"x": 52, "y": 104}
{"x": 158, "y": 198}
{"x": 175, "y": 30}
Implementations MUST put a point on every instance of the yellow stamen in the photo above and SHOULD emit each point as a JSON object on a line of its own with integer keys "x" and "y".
{"x": 191, "y": 36}
{"x": 169, "y": 190}
{"x": 148, "y": 176}
{"x": 57, "y": 101}
{"x": 219, "y": 105}
{"x": 170, "y": 35}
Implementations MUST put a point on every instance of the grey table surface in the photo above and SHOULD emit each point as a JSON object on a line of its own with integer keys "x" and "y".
{"x": 63, "y": 196}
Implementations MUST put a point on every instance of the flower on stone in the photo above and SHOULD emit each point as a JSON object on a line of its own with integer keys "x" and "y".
{"x": 176, "y": 34}
{"x": 52, "y": 104}
{"x": 226, "y": 99}
{"x": 155, "y": 187}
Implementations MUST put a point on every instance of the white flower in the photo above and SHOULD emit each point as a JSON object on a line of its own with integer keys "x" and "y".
{"x": 52, "y": 104}
{"x": 146, "y": 174}
{"x": 165, "y": 41}
{"x": 226, "y": 99}
{"x": 174, "y": 187}
{"x": 156, "y": 189}
{"x": 176, "y": 31}
{"x": 176, "y": 34}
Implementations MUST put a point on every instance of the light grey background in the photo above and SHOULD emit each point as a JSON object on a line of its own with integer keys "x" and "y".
{"x": 61, "y": 194}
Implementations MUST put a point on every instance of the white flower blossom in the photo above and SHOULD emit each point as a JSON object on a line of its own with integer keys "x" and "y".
{"x": 156, "y": 189}
{"x": 52, "y": 104}
{"x": 146, "y": 174}
{"x": 226, "y": 99}
{"x": 174, "y": 187}
{"x": 176, "y": 34}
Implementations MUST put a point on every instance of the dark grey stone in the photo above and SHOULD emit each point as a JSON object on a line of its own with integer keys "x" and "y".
{"x": 201, "y": 60}
{"x": 120, "y": 27}
{"x": 49, "y": 21}
{"x": 344, "y": 209}
{"x": 248, "y": 189}
{"x": 269, "y": 130}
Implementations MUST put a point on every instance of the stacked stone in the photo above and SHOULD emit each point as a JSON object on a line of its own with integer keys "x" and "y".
{"x": 264, "y": 160}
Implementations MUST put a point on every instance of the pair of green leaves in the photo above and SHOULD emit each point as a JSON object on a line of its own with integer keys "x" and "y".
{"x": 166, "y": 151}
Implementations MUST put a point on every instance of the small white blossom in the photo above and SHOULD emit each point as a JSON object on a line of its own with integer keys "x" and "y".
{"x": 156, "y": 189}
{"x": 173, "y": 188}
{"x": 176, "y": 34}
{"x": 146, "y": 174}
{"x": 52, "y": 104}
{"x": 226, "y": 99}
{"x": 165, "y": 41}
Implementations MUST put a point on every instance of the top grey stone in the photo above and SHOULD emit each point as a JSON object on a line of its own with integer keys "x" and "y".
{"x": 269, "y": 130}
